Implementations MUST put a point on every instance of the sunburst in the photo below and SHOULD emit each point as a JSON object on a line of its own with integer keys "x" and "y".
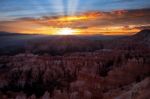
{"x": 66, "y": 31}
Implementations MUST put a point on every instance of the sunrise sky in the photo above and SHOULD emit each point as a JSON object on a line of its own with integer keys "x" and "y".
{"x": 86, "y": 17}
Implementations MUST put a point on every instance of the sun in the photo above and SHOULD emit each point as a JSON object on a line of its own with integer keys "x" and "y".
{"x": 66, "y": 31}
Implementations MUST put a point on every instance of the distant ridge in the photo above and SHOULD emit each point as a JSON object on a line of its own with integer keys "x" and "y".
{"x": 2, "y": 33}
{"x": 143, "y": 34}
{"x": 143, "y": 37}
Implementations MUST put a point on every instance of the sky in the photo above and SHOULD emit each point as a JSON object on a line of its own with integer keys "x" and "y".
{"x": 86, "y": 16}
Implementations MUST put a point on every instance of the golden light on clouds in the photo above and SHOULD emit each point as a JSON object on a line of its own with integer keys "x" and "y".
{"x": 111, "y": 30}
{"x": 54, "y": 31}
{"x": 72, "y": 18}
{"x": 90, "y": 23}
{"x": 77, "y": 18}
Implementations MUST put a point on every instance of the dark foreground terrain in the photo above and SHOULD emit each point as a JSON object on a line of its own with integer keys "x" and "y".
{"x": 74, "y": 67}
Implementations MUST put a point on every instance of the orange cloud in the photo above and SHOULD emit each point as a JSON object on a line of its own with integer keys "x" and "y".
{"x": 118, "y": 22}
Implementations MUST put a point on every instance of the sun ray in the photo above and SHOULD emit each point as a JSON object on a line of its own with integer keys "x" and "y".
{"x": 72, "y": 7}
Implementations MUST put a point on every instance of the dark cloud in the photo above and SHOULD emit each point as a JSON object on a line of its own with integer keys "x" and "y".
{"x": 142, "y": 27}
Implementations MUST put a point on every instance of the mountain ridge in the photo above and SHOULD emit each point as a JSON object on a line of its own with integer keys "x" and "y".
{"x": 143, "y": 37}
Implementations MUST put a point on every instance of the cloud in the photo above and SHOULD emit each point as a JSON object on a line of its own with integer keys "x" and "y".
{"x": 117, "y": 20}
{"x": 143, "y": 27}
